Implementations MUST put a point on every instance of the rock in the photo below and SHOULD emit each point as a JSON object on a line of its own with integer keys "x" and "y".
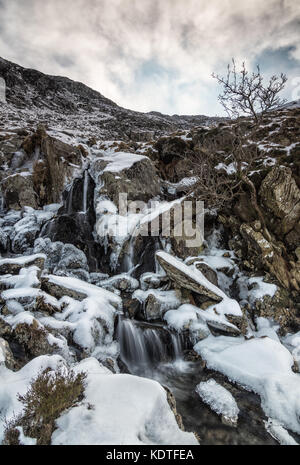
{"x": 24, "y": 233}
{"x": 44, "y": 305}
{"x": 185, "y": 277}
{"x": 264, "y": 256}
{"x": 280, "y": 195}
{"x": 59, "y": 290}
{"x": 14, "y": 265}
{"x": 140, "y": 181}
{"x": 6, "y": 356}
{"x": 72, "y": 258}
{"x": 153, "y": 281}
{"x": 18, "y": 191}
{"x": 4, "y": 241}
{"x": 34, "y": 338}
{"x": 172, "y": 403}
{"x": 206, "y": 270}
{"x": 155, "y": 303}
{"x": 122, "y": 282}
{"x": 55, "y": 167}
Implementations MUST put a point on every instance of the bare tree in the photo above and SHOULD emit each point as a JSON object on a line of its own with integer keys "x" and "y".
{"x": 223, "y": 176}
{"x": 244, "y": 93}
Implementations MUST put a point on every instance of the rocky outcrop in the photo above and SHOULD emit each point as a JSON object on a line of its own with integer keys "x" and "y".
{"x": 139, "y": 181}
{"x": 264, "y": 255}
{"x": 18, "y": 191}
{"x": 280, "y": 196}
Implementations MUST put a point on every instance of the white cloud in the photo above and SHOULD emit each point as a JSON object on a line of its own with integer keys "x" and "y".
{"x": 106, "y": 43}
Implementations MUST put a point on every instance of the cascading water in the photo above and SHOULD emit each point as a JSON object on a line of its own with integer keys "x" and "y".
{"x": 143, "y": 346}
{"x": 85, "y": 191}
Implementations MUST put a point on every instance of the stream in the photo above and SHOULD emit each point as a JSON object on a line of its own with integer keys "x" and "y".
{"x": 153, "y": 351}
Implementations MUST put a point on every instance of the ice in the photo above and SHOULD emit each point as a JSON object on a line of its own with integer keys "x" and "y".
{"x": 127, "y": 410}
{"x": 261, "y": 365}
{"x": 219, "y": 399}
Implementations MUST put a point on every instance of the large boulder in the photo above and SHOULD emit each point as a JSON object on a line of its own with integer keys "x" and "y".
{"x": 280, "y": 195}
{"x": 18, "y": 191}
{"x": 128, "y": 173}
{"x": 188, "y": 278}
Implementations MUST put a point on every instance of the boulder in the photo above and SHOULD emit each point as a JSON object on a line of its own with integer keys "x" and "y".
{"x": 18, "y": 191}
{"x": 14, "y": 265}
{"x": 6, "y": 356}
{"x": 138, "y": 179}
{"x": 280, "y": 195}
{"x": 187, "y": 278}
{"x": 265, "y": 256}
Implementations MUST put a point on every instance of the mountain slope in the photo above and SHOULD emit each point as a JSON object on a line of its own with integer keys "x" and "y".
{"x": 61, "y": 101}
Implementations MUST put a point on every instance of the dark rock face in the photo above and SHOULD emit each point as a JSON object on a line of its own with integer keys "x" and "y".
{"x": 75, "y": 226}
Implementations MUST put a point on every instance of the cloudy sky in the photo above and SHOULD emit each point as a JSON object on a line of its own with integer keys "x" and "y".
{"x": 153, "y": 54}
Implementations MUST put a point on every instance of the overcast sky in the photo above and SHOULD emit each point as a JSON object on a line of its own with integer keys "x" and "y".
{"x": 152, "y": 54}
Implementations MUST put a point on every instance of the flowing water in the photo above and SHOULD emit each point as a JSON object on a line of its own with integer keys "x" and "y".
{"x": 154, "y": 352}
{"x": 85, "y": 191}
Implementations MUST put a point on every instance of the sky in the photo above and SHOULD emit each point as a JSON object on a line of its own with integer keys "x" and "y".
{"x": 153, "y": 55}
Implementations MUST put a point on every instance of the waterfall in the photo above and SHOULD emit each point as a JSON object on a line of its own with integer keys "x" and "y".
{"x": 85, "y": 190}
{"x": 177, "y": 345}
{"x": 69, "y": 206}
{"x": 143, "y": 346}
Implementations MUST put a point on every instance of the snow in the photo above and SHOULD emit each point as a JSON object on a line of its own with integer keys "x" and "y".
{"x": 120, "y": 161}
{"x": 219, "y": 399}
{"x": 102, "y": 296}
{"x": 166, "y": 299}
{"x": 25, "y": 441}
{"x": 226, "y": 307}
{"x": 253, "y": 289}
{"x": 23, "y": 260}
{"x": 292, "y": 342}
{"x": 13, "y": 383}
{"x": 127, "y": 410}
{"x": 181, "y": 318}
{"x": 280, "y": 434}
{"x": 261, "y": 365}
